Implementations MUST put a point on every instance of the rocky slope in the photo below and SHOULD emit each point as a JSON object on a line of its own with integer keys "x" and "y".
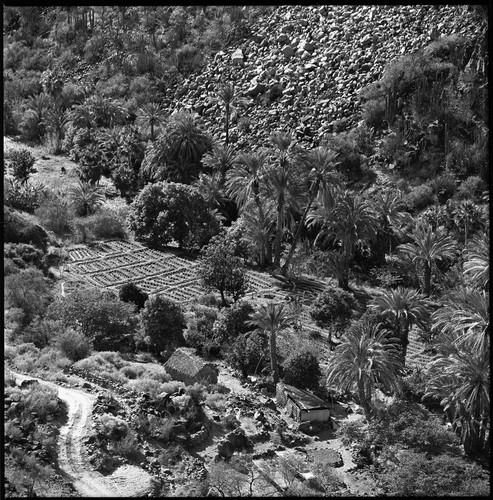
{"x": 316, "y": 59}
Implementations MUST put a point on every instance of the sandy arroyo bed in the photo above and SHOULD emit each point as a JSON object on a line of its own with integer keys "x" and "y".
{"x": 126, "y": 481}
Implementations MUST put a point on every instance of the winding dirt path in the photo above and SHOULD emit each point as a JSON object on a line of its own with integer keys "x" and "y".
{"x": 126, "y": 481}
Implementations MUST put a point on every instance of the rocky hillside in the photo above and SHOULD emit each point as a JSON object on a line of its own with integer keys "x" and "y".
{"x": 304, "y": 66}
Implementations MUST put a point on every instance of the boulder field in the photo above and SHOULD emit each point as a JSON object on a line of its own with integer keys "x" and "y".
{"x": 303, "y": 67}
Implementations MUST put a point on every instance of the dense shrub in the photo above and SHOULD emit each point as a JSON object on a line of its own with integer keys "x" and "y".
{"x": 444, "y": 187}
{"x": 198, "y": 334}
{"x": 74, "y": 345}
{"x": 28, "y": 291}
{"x": 24, "y": 196}
{"x": 111, "y": 428}
{"x": 55, "y": 214}
{"x": 99, "y": 315}
{"x": 419, "y": 198}
{"x": 19, "y": 229}
{"x": 248, "y": 353}
{"x": 130, "y": 292}
{"x": 106, "y": 224}
{"x": 23, "y": 255}
{"x": 21, "y": 163}
{"x": 163, "y": 323}
{"x": 417, "y": 474}
{"x": 333, "y": 308}
{"x": 232, "y": 322}
{"x": 471, "y": 188}
{"x": 302, "y": 370}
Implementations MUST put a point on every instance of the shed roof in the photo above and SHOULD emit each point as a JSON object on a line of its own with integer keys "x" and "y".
{"x": 186, "y": 361}
{"x": 304, "y": 399}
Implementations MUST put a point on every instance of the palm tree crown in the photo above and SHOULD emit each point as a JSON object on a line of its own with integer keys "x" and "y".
{"x": 428, "y": 247}
{"x": 271, "y": 318}
{"x": 366, "y": 357}
{"x": 406, "y": 307}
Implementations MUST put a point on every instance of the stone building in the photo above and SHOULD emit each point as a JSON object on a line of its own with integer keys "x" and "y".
{"x": 302, "y": 405}
{"x": 185, "y": 365}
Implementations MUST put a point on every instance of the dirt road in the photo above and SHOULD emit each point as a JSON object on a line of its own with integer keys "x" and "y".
{"x": 126, "y": 481}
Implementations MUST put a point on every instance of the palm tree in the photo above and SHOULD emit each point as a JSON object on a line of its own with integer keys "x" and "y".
{"x": 321, "y": 175}
{"x": 282, "y": 185}
{"x": 365, "y": 358}
{"x": 227, "y": 95}
{"x": 477, "y": 261}
{"x": 245, "y": 182}
{"x": 344, "y": 220}
{"x": 271, "y": 318}
{"x": 86, "y": 197}
{"x": 37, "y": 108}
{"x": 150, "y": 115}
{"x": 427, "y": 248}
{"x": 465, "y": 314}
{"x": 56, "y": 121}
{"x": 406, "y": 307}
{"x": 391, "y": 209}
{"x": 221, "y": 159}
{"x": 461, "y": 381}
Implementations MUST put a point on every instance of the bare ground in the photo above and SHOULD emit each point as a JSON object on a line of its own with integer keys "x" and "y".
{"x": 126, "y": 481}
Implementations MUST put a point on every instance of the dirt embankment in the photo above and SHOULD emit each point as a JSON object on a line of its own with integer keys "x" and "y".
{"x": 126, "y": 481}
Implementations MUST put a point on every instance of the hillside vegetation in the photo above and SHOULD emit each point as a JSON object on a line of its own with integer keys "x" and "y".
{"x": 300, "y": 193}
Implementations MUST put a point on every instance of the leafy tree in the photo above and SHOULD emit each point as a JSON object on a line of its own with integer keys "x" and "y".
{"x": 163, "y": 323}
{"x": 168, "y": 211}
{"x": 231, "y": 322}
{"x": 99, "y": 315}
{"x": 27, "y": 290}
{"x": 248, "y": 352}
{"x": 86, "y": 197}
{"x": 366, "y": 357}
{"x": 427, "y": 248}
{"x": 22, "y": 164}
{"x": 333, "y": 307}
{"x": 271, "y": 318}
{"x": 130, "y": 292}
{"x": 406, "y": 307}
{"x": 200, "y": 321}
{"x": 302, "y": 370}
{"x": 219, "y": 269}
{"x": 177, "y": 153}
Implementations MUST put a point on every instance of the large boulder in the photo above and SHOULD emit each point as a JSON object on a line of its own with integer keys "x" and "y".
{"x": 225, "y": 449}
{"x": 288, "y": 52}
{"x": 255, "y": 88}
{"x": 237, "y": 58}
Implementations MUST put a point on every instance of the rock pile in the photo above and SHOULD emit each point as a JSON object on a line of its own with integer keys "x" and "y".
{"x": 314, "y": 60}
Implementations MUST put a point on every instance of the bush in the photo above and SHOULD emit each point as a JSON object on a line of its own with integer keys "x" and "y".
{"x": 200, "y": 322}
{"x": 51, "y": 360}
{"x": 24, "y": 196}
{"x": 105, "y": 224}
{"x": 163, "y": 323}
{"x": 416, "y": 474}
{"x": 22, "y": 164}
{"x": 99, "y": 315}
{"x": 55, "y": 215}
{"x": 74, "y": 345}
{"x": 472, "y": 188}
{"x": 19, "y": 229}
{"x": 248, "y": 353}
{"x": 419, "y": 198}
{"x": 27, "y": 290}
{"x": 23, "y": 255}
{"x": 128, "y": 447}
{"x": 130, "y": 292}
{"x": 333, "y": 308}
{"x": 443, "y": 187}
{"x": 111, "y": 428}
{"x": 302, "y": 370}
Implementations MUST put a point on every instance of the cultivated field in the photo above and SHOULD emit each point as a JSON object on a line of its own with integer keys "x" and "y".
{"x": 110, "y": 264}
